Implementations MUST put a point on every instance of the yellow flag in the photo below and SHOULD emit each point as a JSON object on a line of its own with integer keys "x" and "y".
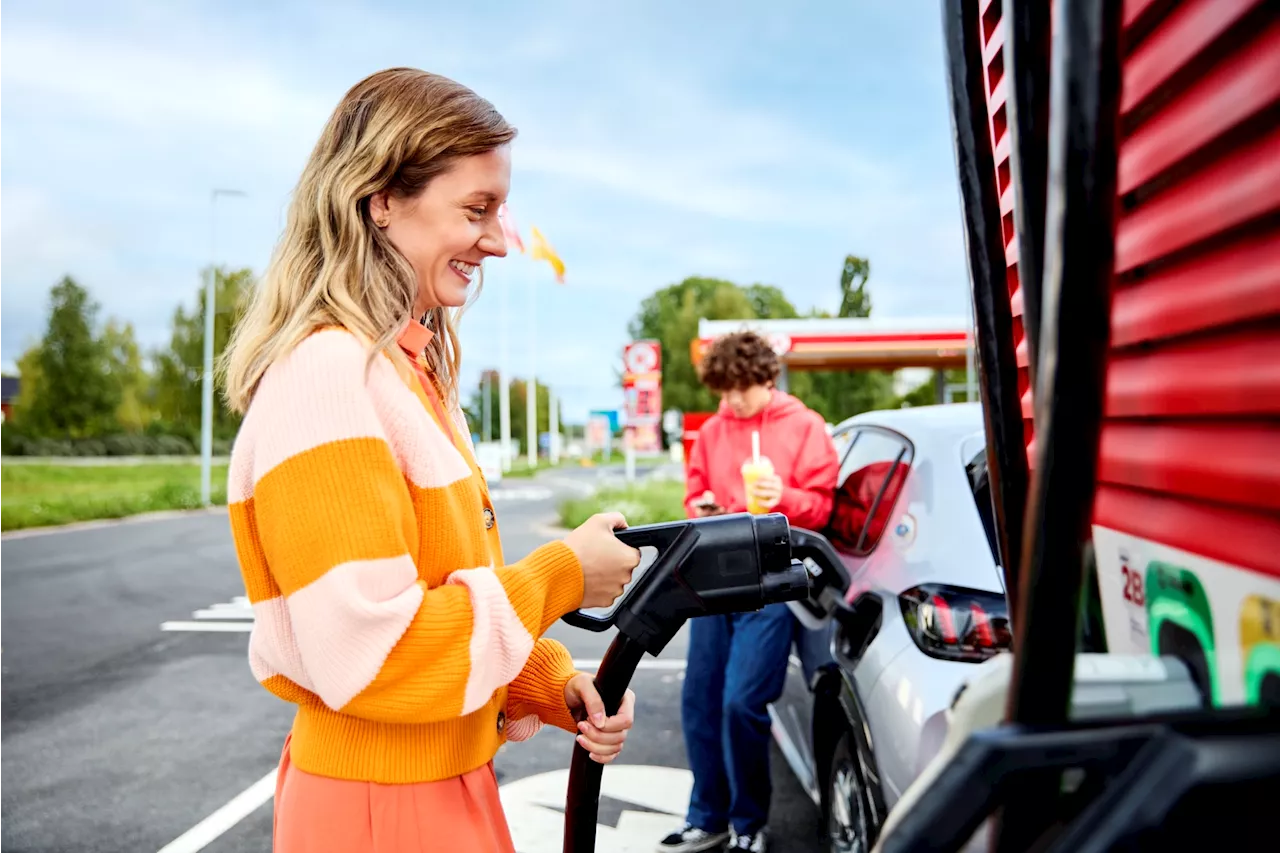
{"x": 541, "y": 250}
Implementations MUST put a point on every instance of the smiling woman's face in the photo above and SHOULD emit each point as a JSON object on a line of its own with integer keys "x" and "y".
{"x": 447, "y": 230}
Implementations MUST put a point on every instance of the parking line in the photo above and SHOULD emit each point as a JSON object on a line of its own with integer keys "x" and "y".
{"x": 216, "y": 612}
{"x": 241, "y": 806}
{"x": 246, "y": 802}
{"x": 231, "y": 627}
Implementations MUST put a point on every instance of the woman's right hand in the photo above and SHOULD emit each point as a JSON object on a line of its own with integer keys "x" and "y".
{"x": 606, "y": 562}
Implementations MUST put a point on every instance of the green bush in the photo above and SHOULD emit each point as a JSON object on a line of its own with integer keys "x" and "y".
{"x": 89, "y": 447}
{"x": 15, "y": 442}
{"x": 650, "y": 502}
{"x": 173, "y": 445}
{"x": 39, "y": 495}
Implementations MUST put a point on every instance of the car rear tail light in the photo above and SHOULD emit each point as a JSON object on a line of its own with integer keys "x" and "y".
{"x": 955, "y": 623}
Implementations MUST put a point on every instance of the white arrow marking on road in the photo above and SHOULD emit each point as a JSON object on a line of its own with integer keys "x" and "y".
{"x": 534, "y": 808}
{"x": 214, "y": 618}
{"x": 236, "y": 617}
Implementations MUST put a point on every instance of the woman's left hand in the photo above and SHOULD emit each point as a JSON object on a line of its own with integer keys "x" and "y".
{"x": 600, "y": 735}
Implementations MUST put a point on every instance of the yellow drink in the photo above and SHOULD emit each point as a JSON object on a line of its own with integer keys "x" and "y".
{"x": 751, "y": 472}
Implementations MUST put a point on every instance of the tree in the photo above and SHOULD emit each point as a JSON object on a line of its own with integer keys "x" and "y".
{"x": 926, "y": 393}
{"x": 671, "y": 316}
{"x": 837, "y": 395}
{"x": 31, "y": 378}
{"x": 76, "y": 397}
{"x": 180, "y": 368}
{"x": 854, "y": 299}
{"x": 130, "y": 378}
{"x": 519, "y": 409}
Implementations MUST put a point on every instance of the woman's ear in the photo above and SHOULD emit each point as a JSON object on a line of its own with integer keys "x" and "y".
{"x": 379, "y": 209}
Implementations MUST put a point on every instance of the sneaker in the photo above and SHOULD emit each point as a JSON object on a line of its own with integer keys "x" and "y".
{"x": 690, "y": 839}
{"x": 753, "y": 842}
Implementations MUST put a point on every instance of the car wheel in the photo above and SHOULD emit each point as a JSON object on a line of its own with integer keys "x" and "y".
{"x": 848, "y": 818}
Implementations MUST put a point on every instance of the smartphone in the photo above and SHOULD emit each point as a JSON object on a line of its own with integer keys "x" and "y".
{"x": 707, "y": 505}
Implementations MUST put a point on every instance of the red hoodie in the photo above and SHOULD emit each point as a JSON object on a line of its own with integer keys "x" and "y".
{"x": 793, "y": 437}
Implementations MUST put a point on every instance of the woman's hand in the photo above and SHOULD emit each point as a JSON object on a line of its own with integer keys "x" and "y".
{"x": 606, "y": 563}
{"x": 768, "y": 491}
{"x": 599, "y": 735}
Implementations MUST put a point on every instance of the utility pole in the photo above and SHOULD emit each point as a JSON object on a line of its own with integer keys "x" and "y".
{"x": 206, "y": 399}
{"x": 553, "y": 414}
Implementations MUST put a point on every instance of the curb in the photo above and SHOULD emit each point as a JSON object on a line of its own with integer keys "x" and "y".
{"x": 549, "y": 530}
{"x": 140, "y": 518}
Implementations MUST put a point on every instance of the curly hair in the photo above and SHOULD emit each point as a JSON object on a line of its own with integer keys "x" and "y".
{"x": 738, "y": 361}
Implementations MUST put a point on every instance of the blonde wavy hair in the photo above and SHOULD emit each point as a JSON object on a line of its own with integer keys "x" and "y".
{"x": 393, "y": 131}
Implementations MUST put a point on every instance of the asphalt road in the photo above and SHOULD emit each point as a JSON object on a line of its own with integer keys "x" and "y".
{"x": 120, "y": 736}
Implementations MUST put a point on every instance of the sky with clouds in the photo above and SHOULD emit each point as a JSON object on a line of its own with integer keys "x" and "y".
{"x": 758, "y": 142}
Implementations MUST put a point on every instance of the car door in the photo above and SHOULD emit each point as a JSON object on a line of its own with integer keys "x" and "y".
{"x": 873, "y": 467}
{"x": 792, "y": 714}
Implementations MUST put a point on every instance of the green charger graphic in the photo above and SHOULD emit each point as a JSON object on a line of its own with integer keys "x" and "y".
{"x": 1260, "y": 650}
{"x": 1180, "y": 623}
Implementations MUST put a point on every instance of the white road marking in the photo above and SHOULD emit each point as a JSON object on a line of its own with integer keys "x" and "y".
{"x": 240, "y": 627}
{"x": 241, "y": 806}
{"x": 531, "y": 493}
{"x": 533, "y": 804}
{"x": 217, "y": 618}
{"x": 585, "y": 490}
{"x": 223, "y": 613}
{"x": 645, "y": 663}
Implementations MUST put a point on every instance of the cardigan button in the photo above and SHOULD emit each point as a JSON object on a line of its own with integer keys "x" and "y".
{"x": 488, "y": 518}
{"x": 502, "y": 721}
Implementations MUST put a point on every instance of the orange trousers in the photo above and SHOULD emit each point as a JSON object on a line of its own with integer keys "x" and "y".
{"x": 316, "y": 814}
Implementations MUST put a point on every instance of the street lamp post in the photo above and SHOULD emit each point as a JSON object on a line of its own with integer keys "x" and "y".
{"x": 206, "y": 402}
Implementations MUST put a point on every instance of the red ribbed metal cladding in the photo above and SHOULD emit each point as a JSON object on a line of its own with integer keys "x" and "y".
{"x": 1190, "y": 452}
{"x": 993, "y": 28}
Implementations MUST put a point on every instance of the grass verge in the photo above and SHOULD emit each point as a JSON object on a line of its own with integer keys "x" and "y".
{"x": 42, "y": 495}
{"x": 644, "y": 503}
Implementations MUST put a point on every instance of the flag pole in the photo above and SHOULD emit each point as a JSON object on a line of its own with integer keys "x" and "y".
{"x": 531, "y": 393}
{"x": 504, "y": 383}
{"x": 553, "y": 417}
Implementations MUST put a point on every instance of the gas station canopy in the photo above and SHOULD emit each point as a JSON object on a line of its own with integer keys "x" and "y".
{"x": 853, "y": 343}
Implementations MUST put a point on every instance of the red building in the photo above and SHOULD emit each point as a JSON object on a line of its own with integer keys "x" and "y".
{"x": 8, "y": 396}
{"x": 852, "y": 343}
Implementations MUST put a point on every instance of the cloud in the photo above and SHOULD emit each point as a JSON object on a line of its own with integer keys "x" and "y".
{"x": 646, "y": 153}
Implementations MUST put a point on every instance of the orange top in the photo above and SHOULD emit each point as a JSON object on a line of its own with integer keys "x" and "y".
{"x": 371, "y": 556}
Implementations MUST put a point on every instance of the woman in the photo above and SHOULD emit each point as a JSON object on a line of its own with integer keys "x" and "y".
{"x": 363, "y": 527}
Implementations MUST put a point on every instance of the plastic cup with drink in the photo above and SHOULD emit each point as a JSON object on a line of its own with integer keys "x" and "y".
{"x": 752, "y": 470}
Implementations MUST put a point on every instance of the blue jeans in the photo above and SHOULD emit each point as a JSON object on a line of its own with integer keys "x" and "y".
{"x": 737, "y": 666}
{"x": 814, "y": 649}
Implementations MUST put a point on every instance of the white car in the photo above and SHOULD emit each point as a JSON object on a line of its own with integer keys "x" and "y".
{"x": 917, "y": 599}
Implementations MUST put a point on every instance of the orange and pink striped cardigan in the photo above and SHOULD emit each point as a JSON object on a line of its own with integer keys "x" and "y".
{"x": 370, "y": 553}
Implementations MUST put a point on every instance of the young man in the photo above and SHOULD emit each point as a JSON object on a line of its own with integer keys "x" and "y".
{"x": 738, "y": 663}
